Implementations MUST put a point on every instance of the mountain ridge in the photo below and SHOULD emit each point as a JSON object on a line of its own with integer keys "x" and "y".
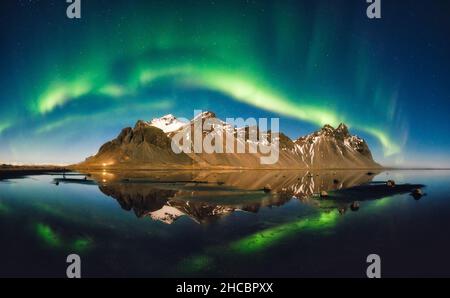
{"x": 148, "y": 145}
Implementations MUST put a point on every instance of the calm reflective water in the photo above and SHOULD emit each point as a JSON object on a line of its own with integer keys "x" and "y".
{"x": 151, "y": 224}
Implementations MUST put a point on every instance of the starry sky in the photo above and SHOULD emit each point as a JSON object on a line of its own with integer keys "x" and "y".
{"x": 68, "y": 85}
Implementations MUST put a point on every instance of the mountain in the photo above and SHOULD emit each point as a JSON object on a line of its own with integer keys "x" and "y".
{"x": 334, "y": 148}
{"x": 138, "y": 147}
{"x": 148, "y": 146}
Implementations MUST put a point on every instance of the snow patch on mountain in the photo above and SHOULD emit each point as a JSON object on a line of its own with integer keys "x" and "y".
{"x": 168, "y": 123}
{"x": 166, "y": 214}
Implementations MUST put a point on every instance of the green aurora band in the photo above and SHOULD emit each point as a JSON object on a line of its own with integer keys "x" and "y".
{"x": 236, "y": 86}
{"x": 269, "y": 55}
{"x": 4, "y": 126}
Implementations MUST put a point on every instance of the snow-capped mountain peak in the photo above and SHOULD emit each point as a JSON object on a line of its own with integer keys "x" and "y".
{"x": 204, "y": 115}
{"x": 167, "y": 123}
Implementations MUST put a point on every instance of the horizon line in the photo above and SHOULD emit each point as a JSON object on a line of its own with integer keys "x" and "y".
{"x": 401, "y": 168}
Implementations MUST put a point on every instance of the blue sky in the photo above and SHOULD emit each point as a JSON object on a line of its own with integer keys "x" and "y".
{"x": 70, "y": 85}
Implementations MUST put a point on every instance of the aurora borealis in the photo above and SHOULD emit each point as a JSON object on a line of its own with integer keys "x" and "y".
{"x": 70, "y": 85}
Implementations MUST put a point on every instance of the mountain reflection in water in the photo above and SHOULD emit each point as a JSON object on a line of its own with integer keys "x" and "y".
{"x": 205, "y": 196}
{"x": 225, "y": 223}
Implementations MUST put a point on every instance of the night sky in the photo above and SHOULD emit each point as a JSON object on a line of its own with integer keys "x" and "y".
{"x": 67, "y": 85}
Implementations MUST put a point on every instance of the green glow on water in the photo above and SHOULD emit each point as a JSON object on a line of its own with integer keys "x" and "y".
{"x": 196, "y": 263}
{"x": 4, "y": 208}
{"x": 261, "y": 240}
{"x": 52, "y": 210}
{"x": 48, "y": 235}
{"x": 82, "y": 244}
{"x": 382, "y": 202}
{"x": 269, "y": 237}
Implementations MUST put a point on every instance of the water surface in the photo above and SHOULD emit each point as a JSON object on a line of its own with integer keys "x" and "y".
{"x": 192, "y": 224}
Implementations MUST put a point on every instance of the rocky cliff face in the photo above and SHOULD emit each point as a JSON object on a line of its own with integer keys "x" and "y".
{"x": 334, "y": 148}
{"x": 148, "y": 145}
{"x": 139, "y": 146}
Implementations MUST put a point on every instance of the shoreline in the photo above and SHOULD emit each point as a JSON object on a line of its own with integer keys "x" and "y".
{"x": 8, "y": 172}
{"x": 169, "y": 168}
{"x": 36, "y": 169}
